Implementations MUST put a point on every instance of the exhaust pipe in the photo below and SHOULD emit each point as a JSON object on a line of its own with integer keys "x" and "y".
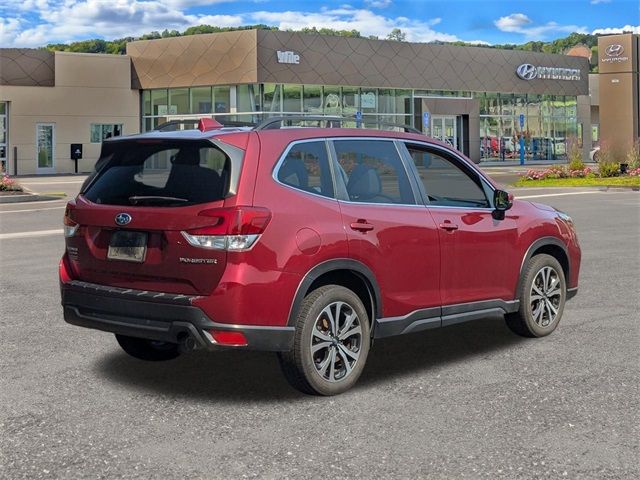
{"x": 186, "y": 343}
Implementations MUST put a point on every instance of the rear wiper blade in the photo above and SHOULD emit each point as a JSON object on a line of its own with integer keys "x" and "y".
{"x": 136, "y": 199}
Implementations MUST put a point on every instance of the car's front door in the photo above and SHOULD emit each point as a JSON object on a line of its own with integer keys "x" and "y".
{"x": 388, "y": 228}
{"x": 478, "y": 252}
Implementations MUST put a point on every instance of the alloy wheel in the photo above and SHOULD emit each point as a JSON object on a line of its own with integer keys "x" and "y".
{"x": 545, "y": 297}
{"x": 336, "y": 340}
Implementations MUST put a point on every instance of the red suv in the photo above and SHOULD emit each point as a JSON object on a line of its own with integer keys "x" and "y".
{"x": 310, "y": 242}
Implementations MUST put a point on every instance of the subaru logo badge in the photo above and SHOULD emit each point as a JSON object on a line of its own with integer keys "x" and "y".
{"x": 614, "y": 50}
{"x": 123, "y": 218}
{"x": 526, "y": 71}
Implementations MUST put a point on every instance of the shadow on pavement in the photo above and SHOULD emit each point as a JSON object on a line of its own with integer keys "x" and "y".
{"x": 255, "y": 376}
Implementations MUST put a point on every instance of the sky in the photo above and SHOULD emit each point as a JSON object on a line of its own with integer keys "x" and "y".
{"x": 34, "y": 23}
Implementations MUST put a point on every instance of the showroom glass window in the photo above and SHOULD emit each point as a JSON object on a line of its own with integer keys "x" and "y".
{"x": 102, "y": 131}
{"x": 550, "y": 123}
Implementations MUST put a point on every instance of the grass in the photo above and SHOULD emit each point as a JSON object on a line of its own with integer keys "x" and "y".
{"x": 54, "y": 194}
{"x": 581, "y": 182}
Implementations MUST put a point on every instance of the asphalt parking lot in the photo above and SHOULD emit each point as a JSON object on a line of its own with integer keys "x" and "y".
{"x": 468, "y": 401}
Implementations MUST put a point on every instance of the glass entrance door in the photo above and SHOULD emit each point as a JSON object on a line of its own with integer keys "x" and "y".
{"x": 445, "y": 129}
{"x": 3, "y": 137}
{"x": 45, "y": 147}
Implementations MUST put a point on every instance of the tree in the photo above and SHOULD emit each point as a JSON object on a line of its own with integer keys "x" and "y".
{"x": 331, "y": 32}
{"x": 397, "y": 35}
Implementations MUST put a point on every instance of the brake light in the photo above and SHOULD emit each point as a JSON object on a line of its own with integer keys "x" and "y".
{"x": 232, "y": 229}
{"x": 63, "y": 271}
{"x": 69, "y": 224}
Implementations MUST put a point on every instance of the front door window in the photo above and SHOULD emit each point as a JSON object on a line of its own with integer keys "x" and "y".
{"x": 45, "y": 146}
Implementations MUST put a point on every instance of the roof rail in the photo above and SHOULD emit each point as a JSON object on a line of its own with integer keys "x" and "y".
{"x": 173, "y": 125}
{"x": 276, "y": 122}
{"x": 331, "y": 122}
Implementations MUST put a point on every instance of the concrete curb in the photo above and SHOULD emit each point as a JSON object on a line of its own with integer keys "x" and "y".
{"x": 620, "y": 188}
{"x": 29, "y": 197}
{"x": 599, "y": 188}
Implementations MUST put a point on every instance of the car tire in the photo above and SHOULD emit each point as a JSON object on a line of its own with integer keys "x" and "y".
{"x": 543, "y": 293}
{"x": 596, "y": 157}
{"x": 331, "y": 342}
{"x": 149, "y": 350}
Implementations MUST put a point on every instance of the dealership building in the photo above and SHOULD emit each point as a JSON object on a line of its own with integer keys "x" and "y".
{"x": 480, "y": 100}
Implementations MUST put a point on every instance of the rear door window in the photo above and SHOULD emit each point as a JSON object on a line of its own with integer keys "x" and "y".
{"x": 373, "y": 172}
{"x": 161, "y": 173}
{"x": 306, "y": 167}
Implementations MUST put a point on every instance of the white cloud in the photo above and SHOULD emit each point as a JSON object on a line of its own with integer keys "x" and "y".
{"x": 192, "y": 3}
{"x": 365, "y": 21}
{"x": 72, "y": 20}
{"x": 521, "y": 23}
{"x": 9, "y": 29}
{"x": 53, "y": 21}
{"x": 614, "y": 30}
{"x": 513, "y": 23}
{"x": 479, "y": 43}
{"x": 24, "y": 5}
{"x": 596, "y": 2}
{"x": 378, "y": 3}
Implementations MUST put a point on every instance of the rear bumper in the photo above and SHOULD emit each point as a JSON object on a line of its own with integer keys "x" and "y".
{"x": 159, "y": 316}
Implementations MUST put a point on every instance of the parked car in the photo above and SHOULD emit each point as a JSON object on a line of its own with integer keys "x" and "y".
{"x": 594, "y": 154}
{"x": 309, "y": 242}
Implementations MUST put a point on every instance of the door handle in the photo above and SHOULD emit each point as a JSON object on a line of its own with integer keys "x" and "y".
{"x": 361, "y": 226}
{"x": 446, "y": 225}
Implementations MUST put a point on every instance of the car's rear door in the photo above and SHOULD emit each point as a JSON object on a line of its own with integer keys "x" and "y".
{"x": 133, "y": 215}
{"x": 479, "y": 259}
{"x": 388, "y": 228}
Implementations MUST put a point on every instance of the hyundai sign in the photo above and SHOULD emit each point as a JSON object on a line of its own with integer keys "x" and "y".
{"x": 614, "y": 54}
{"x": 527, "y": 71}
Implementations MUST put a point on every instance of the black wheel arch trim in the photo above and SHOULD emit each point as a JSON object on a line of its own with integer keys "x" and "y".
{"x": 328, "y": 266}
{"x": 542, "y": 242}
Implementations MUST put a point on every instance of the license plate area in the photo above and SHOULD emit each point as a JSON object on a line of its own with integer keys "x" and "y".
{"x": 127, "y": 246}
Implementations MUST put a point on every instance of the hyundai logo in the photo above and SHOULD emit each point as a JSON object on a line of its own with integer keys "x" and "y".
{"x": 526, "y": 71}
{"x": 123, "y": 218}
{"x": 614, "y": 50}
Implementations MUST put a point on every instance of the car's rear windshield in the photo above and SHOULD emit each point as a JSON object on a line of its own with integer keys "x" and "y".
{"x": 160, "y": 173}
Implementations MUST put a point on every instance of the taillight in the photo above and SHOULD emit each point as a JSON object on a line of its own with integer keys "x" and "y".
{"x": 232, "y": 229}
{"x": 228, "y": 337}
{"x": 70, "y": 225}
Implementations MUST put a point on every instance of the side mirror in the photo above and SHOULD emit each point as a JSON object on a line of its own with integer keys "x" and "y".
{"x": 502, "y": 201}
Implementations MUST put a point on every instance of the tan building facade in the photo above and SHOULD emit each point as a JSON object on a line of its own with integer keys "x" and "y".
{"x": 480, "y": 100}
{"x": 485, "y": 102}
{"x": 49, "y": 101}
{"x": 619, "y": 90}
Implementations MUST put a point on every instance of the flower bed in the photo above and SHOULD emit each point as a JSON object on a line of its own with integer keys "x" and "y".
{"x": 558, "y": 172}
{"x": 8, "y": 184}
